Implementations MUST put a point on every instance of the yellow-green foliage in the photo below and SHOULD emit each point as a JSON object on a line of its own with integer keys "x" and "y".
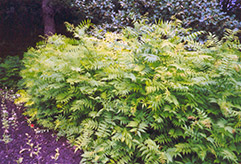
{"x": 150, "y": 94}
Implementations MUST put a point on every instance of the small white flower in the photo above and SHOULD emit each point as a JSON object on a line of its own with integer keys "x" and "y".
{"x": 11, "y": 118}
{"x": 4, "y": 111}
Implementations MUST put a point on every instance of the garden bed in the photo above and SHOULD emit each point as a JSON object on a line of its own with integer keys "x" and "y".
{"x": 21, "y": 141}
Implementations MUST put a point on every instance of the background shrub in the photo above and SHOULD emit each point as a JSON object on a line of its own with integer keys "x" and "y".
{"x": 204, "y": 15}
{"x": 9, "y": 71}
{"x": 150, "y": 94}
{"x": 232, "y": 7}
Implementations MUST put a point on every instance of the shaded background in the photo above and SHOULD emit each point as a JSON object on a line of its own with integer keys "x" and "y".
{"x": 21, "y": 21}
{"x": 21, "y": 24}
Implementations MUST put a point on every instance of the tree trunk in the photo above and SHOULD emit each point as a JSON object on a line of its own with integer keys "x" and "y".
{"x": 48, "y": 18}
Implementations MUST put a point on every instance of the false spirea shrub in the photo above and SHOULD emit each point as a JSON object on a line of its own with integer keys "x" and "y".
{"x": 150, "y": 94}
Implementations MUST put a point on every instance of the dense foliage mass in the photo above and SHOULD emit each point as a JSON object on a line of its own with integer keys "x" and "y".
{"x": 199, "y": 14}
{"x": 150, "y": 94}
{"x": 232, "y": 7}
{"x": 9, "y": 71}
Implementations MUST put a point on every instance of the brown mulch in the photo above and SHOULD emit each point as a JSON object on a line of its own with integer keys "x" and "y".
{"x": 27, "y": 143}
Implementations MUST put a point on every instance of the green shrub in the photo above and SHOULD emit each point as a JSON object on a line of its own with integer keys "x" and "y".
{"x": 9, "y": 71}
{"x": 150, "y": 94}
{"x": 198, "y": 14}
{"x": 232, "y": 7}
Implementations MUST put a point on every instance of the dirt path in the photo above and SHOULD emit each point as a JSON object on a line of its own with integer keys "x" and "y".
{"x": 23, "y": 142}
